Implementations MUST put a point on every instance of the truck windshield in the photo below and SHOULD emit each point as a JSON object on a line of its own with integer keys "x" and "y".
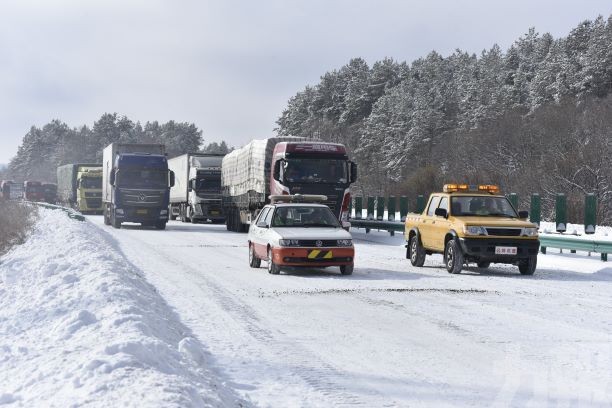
{"x": 91, "y": 182}
{"x": 315, "y": 171}
{"x": 296, "y": 216}
{"x": 210, "y": 183}
{"x": 34, "y": 189}
{"x": 142, "y": 179}
{"x": 482, "y": 206}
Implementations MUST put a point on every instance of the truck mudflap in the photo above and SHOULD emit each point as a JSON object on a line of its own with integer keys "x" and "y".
{"x": 485, "y": 248}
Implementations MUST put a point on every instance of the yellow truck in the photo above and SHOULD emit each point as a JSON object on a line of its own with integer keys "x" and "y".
{"x": 472, "y": 224}
{"x": 80, "y": 186}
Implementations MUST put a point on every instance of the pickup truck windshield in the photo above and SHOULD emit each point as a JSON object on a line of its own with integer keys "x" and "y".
{"x": 315, "y": 171}
{"x": 482, "y": 206}
{"x": 304, "y": 217}
{"x": 142, "y": 179}
{"x": 91, "y": 182}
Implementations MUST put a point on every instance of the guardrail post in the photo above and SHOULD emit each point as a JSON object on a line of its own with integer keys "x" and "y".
{"x": 380, "y": 208}
{"x": 535, "y": 210}
{"x": 561, "y": 212}
{"x": 403, "y": 208}
{"x": 420, "y": 204}
{"x": 590, "y": 213}
{"x": 358, "y": 208}
{"x": 514, "y": 200}
{"x": 370, "y": 209}
{"x": 391, "y": 211}
{"x": 604, "y": 257}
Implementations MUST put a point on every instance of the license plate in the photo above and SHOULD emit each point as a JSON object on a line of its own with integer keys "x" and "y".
{"x": 505, "y": 250}
{"x": 213, "y": 212}
{"x": 141, "y": 212}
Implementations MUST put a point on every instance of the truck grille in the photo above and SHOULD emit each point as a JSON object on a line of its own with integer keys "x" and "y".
{"x": 504, "y": 232}
{"x": 93, "y": 195}
{"x": 143, "y": 198}
{"x": 93, "y": 202}
{"x": 332, "y": 203}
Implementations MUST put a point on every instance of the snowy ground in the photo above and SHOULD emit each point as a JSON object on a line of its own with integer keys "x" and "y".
{"x": 389, "y": 335}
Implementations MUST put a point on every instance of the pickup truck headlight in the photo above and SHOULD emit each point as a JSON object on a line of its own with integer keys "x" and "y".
{"x": 345, "y": 242}
{"x": 289, "y": 242}
{"x": 474, "y": 230}
{"x": 529, "y": 232}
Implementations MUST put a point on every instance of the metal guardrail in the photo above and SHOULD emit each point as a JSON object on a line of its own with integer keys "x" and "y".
{"x": 546, "y": 240}
{"x": 575, "y": 244}
{"x": 75, "y": 215}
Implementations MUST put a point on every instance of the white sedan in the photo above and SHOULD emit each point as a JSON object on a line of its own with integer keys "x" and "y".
{"x": 299, "y": 235}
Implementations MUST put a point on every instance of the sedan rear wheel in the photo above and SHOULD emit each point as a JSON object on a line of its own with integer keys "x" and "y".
{"x": 254, "y": 261}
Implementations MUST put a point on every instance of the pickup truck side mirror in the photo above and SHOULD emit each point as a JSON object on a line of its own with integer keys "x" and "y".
{"x": 276, "y": 173}
{"x": 172, "y": 179}
{"x": 353, "y": 168}
{"x": 523, "y": 215}
{"x": 441, "y": 212}
{"x": 112, "y": 177}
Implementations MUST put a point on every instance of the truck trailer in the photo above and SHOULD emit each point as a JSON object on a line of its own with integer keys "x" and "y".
{"x": 79, "y": 186}
{"x": 196, "y": 194}
{"x": 136, "y": 184}
{"x": 284, "y": 165}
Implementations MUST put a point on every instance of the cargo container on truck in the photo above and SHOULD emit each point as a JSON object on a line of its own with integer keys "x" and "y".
{"x": 284, "y": 165}
{"x": 196, "y": 194}
{"x": 79, "y": 186}
{"x": 32, "y": 190}
{"x": 136, "y": 184}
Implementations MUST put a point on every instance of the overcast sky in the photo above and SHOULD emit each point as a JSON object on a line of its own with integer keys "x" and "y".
{"x": 227, "y": 66}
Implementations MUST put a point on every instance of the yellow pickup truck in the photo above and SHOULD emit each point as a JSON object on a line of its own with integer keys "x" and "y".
{"x": 472, "y": 223}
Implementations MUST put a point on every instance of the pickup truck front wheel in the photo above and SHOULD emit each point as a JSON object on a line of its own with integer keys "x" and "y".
{"x": 453, "y": 256}
{"x": 416, "y": 252}
{"x": 528, "y": 266}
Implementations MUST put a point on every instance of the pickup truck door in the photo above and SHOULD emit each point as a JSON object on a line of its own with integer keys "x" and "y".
{"x": 426, "y": 223}
{"x": 440, "y": 226}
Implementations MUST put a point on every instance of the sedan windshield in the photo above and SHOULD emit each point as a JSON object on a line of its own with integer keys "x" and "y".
{"x": 142, "y": 179}
{"x": 482, "y": 206}
{"x": 304, "y": 217}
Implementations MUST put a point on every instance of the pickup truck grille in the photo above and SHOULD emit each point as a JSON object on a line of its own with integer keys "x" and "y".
{"x": 143, "y": 198}
{"x": 504, "y": 232}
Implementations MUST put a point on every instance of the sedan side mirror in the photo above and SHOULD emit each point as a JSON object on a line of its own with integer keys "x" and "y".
{"x": 441, "y": 212}
{"x": 523, "y": 215}
{"x": 262, "y": 225}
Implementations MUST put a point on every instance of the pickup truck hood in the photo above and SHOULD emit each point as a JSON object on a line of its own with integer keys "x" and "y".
{"x": 495, "y": 222}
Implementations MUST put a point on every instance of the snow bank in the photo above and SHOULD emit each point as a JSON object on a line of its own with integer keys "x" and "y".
{"x": 80, "y": 325}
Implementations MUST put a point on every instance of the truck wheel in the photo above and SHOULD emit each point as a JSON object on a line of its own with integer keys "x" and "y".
{"x": 170, "y": 215}
{"x": 160, "y": 225}
{"x": 483, "y": 265}
{"x": 116, "y": 224}
{"x": 416, "y": 252}
{"x": 453, "y": 257}
{"x": 346, "y": 269}
{"x": 272, "y": 267}
{"x": 106, "y": 217}
{"x": 254, "y": 261}
{"x": 527, "y": 266}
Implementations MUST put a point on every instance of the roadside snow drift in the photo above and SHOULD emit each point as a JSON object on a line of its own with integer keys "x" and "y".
{"x": 80, "y": 325}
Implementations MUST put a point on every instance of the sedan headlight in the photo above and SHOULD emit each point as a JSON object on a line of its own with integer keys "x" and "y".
{"x": 474, "y": 230}
{"x": 345, "y": 242}
{"x": 289, "y": 242}
{"x": 529, "y": 232}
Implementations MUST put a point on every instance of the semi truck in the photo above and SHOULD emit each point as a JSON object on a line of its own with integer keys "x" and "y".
{"x": 11, "y": 190}
{"x": 79, "y": 186}
{"x": 196, "y": 194}
{"x": 33, "y": 191}
{"x": 136, "y": 184}
{"x": 284, "y": 165}
{"x": 50, "y": 192}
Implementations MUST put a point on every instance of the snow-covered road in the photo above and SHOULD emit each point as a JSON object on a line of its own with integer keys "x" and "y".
{"x": 390, "y": 334}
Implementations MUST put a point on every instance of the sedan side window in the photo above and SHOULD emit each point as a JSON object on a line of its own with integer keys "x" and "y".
{"x": 262, "y": 215}
{"x": 268, "y": 218}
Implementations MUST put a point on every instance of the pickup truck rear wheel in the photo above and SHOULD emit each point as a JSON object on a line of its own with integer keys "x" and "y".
{"x": 453, "y": 256}
{"x": 416, "y": 252}
{"x": 527, "y": 266}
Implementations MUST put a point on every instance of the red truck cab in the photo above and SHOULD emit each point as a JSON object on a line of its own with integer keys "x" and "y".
{"x": 33, "y": 191}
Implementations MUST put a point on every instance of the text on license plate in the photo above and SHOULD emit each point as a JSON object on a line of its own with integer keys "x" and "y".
{"x": 503, "y": 250}
{"x": 213, "y": 212}
{"x": 141, "y": 211}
